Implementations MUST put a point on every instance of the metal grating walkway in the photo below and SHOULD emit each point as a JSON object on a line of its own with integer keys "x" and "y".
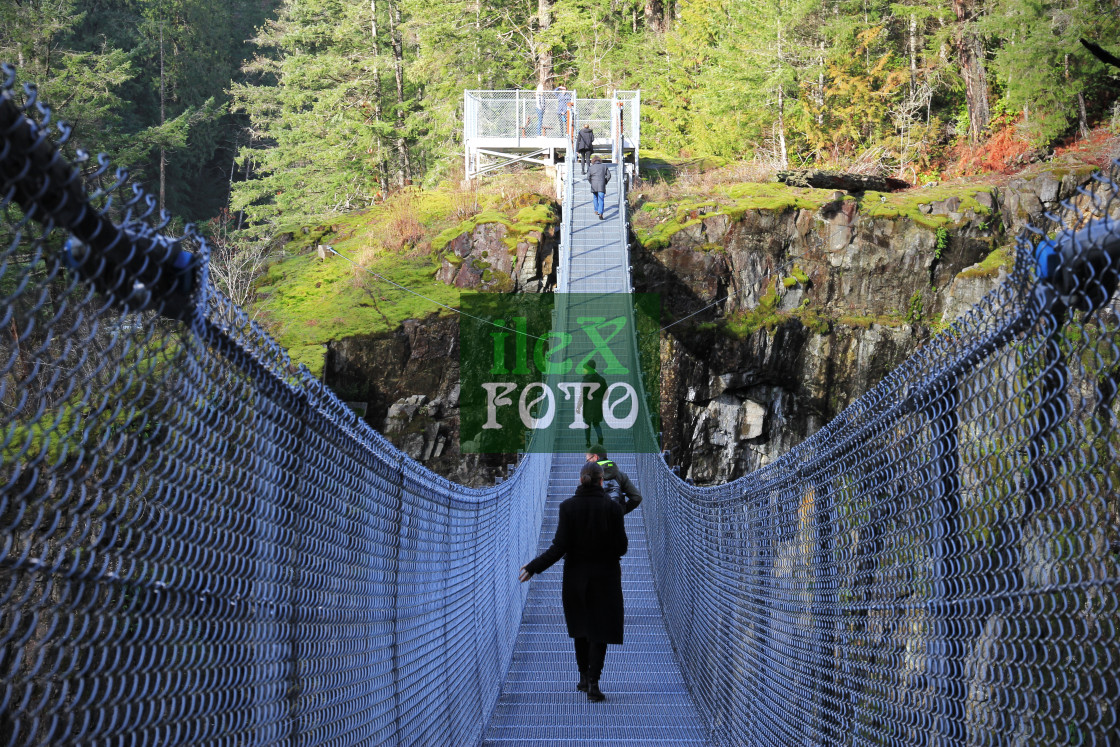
{"x": 647, "y": 700}
{"x": 599, "y": 255}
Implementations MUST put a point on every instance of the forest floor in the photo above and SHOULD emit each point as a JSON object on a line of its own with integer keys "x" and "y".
{"x": 305, "y": 301}
{"x": 994, "y": 162}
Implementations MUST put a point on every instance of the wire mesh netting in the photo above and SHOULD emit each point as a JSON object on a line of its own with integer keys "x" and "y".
{"x": 631, "y": 110}
{"x": 938, "y": 565}
{"x": 200, "y": 543}
{"x": 515, "y": 115}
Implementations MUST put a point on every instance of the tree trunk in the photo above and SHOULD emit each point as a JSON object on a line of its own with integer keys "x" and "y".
{"x": 544, "y": 52}
{"x": 970, "y": 53}
{"x": 820, "y": 87}
{"x": 378, "y": 111}
{"x": 404, "y": 165}
{"x": 655, "y": 15}
{"x": 781, "y": 101}
{"x": 1082, "y": 119}
{"x": 866, "y": 47}
{"x": 913, "y": 53}
{"x": 162, "y": 119}
{"x": 782, "y": 128}
{"x": 478, "y": 41}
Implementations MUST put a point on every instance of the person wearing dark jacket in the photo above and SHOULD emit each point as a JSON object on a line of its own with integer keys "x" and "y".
{"x": 585, "y": 143}
{"x": 591, "y": 538}
{"x": 629, "y": 497}
{"x": 598, "y": 175}
{"x": 593, "y": 402}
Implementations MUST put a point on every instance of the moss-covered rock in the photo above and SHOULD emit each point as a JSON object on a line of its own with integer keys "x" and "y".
{"x": 814, "y": 297}
{"x": 413, "y": 240}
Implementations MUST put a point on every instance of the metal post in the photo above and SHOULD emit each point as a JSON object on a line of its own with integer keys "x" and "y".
{"x": 614, "y": 126}
{"x": 468, "y": 133}
{"x": 635, "y": 125}
{"x": 621, "y": 135}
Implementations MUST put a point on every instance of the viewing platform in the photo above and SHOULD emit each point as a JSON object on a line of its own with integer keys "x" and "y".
{"x": 505, "y": 127}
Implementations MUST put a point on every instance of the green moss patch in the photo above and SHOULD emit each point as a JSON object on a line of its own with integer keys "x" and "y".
{"x": 527, "y": 225}
{"x": 655, "y": 223}
{"x": 311, "y": 302}
{"x": 989, "y": 266}
{"x": 445, "y": 237}
{"x": 908, "y": 204}
{"x": 774, "y": 196}
{"x": 766, "y": 315}
{"x": 662, "y": 234}
{"x": 306, "y": 302}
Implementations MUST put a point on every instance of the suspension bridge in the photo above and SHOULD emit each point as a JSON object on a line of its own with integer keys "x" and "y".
{"x": 202, "y": 545}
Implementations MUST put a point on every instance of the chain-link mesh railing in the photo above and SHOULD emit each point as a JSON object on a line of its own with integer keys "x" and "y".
{"x": 938, "y": 565}
{"x": 597, "y": 114}
{"x": 200, "y": 544}
{"x": 631, "y": 111}
{"x": 516, "y": 115}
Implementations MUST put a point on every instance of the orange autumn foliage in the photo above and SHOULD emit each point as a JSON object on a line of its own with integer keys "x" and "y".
{"x": 1002, "y": 153}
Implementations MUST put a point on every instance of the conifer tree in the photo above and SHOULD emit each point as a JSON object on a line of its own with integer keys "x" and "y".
{"x": 84, "y": 84}
{"x": 316, "y": 138}
{"x": 1043, "y": 68}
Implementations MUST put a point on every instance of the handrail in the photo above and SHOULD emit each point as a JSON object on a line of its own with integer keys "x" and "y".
{"x": 218, "y": 521}
{"x": 878, "y": 574}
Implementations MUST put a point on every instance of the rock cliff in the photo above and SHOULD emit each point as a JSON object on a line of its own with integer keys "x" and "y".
{"x": 406, "y": 382}
{"x": 812, "y": 297}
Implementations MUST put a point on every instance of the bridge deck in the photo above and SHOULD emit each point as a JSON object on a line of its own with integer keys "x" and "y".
{"x": 647, "y": 701}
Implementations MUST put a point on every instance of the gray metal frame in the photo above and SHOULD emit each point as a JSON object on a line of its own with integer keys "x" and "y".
{"x": 501, "y": 128}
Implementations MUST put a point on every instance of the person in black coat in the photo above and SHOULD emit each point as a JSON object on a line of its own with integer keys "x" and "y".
{"x": 585, "y": 143}
{"x": 591, "y": 537}
{"x": 598, "y": 176}
{"x": 593, "y": 402}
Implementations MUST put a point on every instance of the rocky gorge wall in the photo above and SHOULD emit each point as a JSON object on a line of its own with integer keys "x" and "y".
{"x": 815, "y": 296}
{"x": 405, "y": 382}
{"x": 818, "y": 295}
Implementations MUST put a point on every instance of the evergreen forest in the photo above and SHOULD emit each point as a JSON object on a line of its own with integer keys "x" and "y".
{"x": 249, "y": 115}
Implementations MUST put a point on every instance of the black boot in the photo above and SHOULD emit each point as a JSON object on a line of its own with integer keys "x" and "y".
{"x": 581, "y": 663}
{"x": 596, "y": 655}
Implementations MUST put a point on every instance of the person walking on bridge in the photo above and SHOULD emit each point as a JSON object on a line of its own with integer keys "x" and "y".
{"x": 590, "y": 536}
{"x": 540, "y": 109}
{"x": 598, "y": 175}
{"x": 618, "y": 485}
{"x": 585, "y": 143}
{"x": 563, "y": 98}
{"x": 593, "y": 402}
